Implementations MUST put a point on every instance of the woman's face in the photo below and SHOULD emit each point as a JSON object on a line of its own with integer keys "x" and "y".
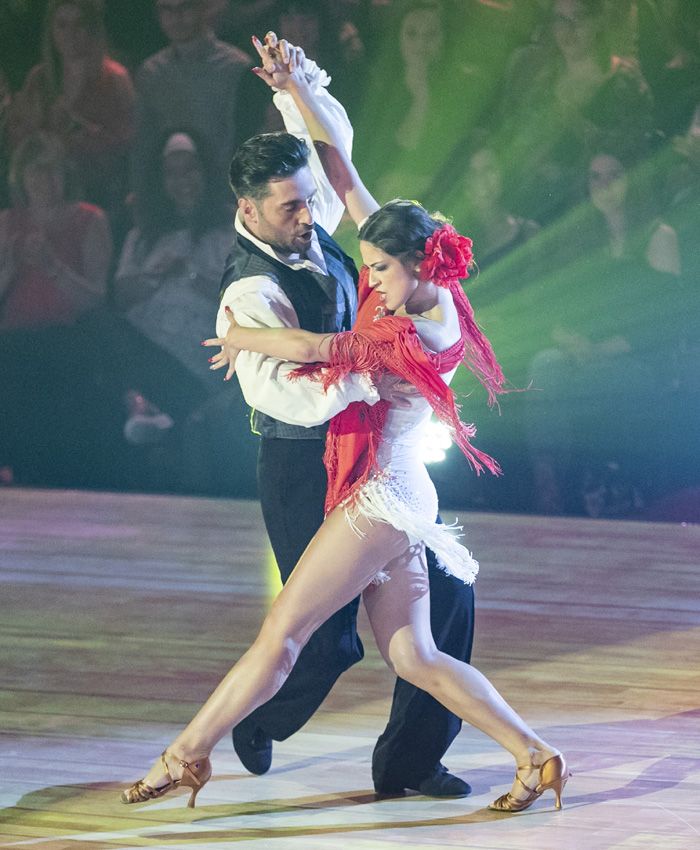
{"x": 70, "y": 35}
{"x": 183, "y": 180}
{"x": 607, "y": 183}
{"x": 394, "y": 279}
{"x": 421, "y": 36}
{"x": 43, "y": 183}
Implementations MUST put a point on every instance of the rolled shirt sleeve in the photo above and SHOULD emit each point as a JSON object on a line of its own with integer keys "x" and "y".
{"x": 258, "y": 301}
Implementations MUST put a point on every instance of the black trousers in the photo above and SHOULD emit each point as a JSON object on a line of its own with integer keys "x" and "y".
{"x": 292, "y": 487}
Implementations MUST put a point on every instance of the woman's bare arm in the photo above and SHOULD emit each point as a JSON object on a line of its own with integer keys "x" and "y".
{"x": 283, "y": 69}
{"x": 294, "y": 344}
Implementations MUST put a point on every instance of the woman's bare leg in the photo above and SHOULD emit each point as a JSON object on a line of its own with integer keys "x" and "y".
{"x": 335, "y": 567}
{"x": 399, "y": 611}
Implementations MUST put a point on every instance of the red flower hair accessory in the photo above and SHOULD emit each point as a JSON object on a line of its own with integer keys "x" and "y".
{"x": 448, "y": 256}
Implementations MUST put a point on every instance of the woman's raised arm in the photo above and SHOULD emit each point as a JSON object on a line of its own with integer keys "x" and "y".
{"x": 282, "y": 68}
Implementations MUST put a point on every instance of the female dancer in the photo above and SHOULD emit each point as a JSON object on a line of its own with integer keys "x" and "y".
{"x": 381, "y": 503}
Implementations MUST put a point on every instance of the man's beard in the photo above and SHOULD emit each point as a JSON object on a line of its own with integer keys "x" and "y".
{"x": 301, "y": 246}
{"x": 278, "y": 243}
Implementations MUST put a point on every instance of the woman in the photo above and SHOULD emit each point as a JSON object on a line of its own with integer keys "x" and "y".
{"x": 55, "y": 252}
{"x": 166, "y": 287}
{"x": 54, "y": 259}
{"x": 377, "y": 483}
{"x": 79, "y": 93}
{"x": 624, "y": 336}
{"x": 170, "y": 267}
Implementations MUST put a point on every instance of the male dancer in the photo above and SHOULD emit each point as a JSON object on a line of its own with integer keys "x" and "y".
{"x": 285, "y": 270}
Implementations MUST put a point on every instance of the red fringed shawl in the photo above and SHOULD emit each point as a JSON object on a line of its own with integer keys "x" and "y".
{"x": 392, "y": 344}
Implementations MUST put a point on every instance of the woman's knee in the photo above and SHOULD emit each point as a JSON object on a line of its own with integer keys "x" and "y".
{"x": 415, "y": 664}
{"x": 282, "y": 638}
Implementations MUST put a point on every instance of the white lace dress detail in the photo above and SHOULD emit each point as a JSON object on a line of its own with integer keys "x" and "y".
{"x": 403, "y": 495}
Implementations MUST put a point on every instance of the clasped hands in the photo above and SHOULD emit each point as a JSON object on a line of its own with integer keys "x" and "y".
{"x": 282, "y": 62}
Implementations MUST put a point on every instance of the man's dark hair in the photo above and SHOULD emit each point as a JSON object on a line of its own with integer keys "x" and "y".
{"x": 266, "y": 157}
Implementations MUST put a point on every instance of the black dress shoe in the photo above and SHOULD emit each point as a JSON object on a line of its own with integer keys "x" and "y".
{"x": 439, "y": 783}
{"x": 442, "y": 783}
{"x": 252, "y": 747}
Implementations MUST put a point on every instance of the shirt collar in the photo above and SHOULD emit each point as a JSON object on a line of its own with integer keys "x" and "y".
{"x": 314, "y": 260}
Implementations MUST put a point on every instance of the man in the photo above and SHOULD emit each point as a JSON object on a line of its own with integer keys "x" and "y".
{"x": 198, "y": 83}
{"x": 285, "y": 270}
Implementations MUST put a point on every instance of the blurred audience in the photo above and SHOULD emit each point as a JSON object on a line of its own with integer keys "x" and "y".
{"x": 170, "y": 267}
{"x": 82, "y": 95}
{"x": 55, "y": 252}
{"x": 616, "y": 306}
{"x": 166, "y": 286}
{"x": 196, "y": 81}
{"x": 54, "y": 259}
{"x": 563, "y": 133}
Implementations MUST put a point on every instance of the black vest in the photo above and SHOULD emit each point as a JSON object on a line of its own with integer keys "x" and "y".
{"x": 323, "y": 304}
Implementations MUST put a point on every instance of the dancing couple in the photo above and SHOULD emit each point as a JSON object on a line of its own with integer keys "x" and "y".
{"x": 415, "y": 326}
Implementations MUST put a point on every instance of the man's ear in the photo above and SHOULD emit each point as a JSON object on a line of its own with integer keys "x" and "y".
{"x": 248, "y": 210}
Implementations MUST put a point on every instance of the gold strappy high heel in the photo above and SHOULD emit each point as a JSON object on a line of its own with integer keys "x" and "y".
{"x": 553, "y": 774}
{"x": 195, "y": 775}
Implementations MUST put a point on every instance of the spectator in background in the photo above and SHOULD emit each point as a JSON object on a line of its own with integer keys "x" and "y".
{"x": 683, "y": 212}
{"x": 507, "y": 268}
{"x": 421, "y": 39}
{"x": 78, "y": 93}
{"x": 669, "y": 51}
{"x": 168, "y": 275}
{"x": 167, "y": 285}
{"x": 196, "y": 81}
{"x": 327, "y": 29}
{"x": 55, "y": 252}
{"x": 413, "y": 122}
{"x": 496, "y": 231}
{"x": 565, "y": 95}
{"x": 54, "y": 259}
{"x": 616, "y": 310}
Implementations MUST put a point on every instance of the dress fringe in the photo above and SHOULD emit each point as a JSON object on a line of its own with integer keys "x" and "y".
{"x": 376, "y": 501}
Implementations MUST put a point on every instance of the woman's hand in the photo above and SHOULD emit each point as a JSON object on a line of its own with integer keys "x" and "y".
{"x": 229, "y": 351}
{"x": 282, "y": 63}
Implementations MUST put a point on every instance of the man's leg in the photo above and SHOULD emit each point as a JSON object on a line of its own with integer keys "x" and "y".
{"x": 420, "y": 729}
{"x": 292, "y": 489}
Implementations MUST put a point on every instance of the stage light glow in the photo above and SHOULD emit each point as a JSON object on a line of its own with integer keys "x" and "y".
{"x": 436, "y": 442}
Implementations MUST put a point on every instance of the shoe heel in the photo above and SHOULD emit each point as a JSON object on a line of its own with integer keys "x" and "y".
{"x": 195, "y": 776}
{"x": 554, "y": 774}
{"x": 558, "y": 787}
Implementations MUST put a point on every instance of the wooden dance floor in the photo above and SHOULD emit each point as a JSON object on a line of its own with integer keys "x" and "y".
{"x": 120, "y": 612}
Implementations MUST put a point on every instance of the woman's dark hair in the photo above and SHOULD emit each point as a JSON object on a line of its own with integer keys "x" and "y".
{"x": 92, "y": 17}
{"x": 155, "y": 213}
{"x": 265, "y": 157}
{"x": 400, "y": 227}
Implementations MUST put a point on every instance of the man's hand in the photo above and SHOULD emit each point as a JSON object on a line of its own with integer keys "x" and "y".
{"x": 395, "y": 390}
{"x": 282, "y": 63}
{"x": 228, "y": 354}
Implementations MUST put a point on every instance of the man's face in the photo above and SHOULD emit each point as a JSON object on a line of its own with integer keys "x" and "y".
{"x": 284, "y": 217}
{"x": 181, "y": 20}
